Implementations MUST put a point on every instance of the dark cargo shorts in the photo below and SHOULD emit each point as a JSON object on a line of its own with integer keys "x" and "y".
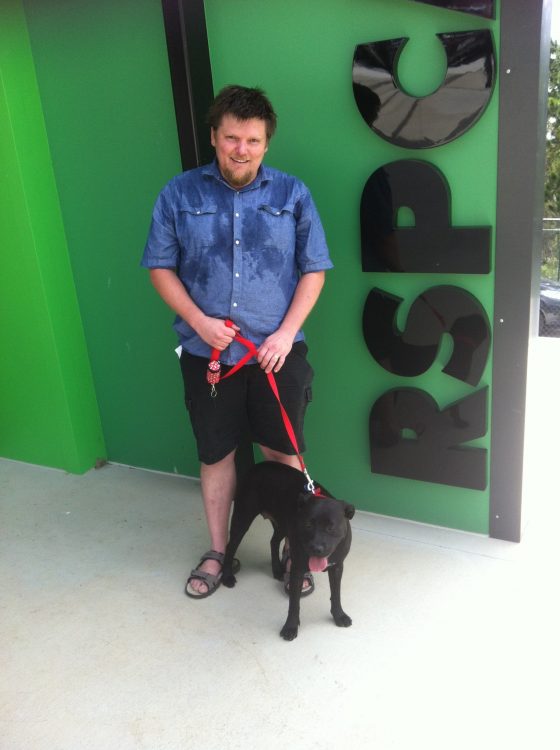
{"x": 245, "y": 400}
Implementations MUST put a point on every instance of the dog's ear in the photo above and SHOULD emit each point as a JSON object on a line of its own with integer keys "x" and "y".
{"x": 349, "y": 510}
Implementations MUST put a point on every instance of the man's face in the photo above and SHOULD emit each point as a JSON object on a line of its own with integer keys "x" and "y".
{"x": 240, "y": 148}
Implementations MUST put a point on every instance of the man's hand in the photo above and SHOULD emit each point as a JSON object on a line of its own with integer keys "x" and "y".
{"x": 273, "y": 351}
{"x": 211, "y": 330}
{"x": 215, "y": 332}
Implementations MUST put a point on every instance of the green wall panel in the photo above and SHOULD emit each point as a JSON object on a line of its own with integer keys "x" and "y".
{"x": 104, "y": 79}
{"x": 301, "y": 54}
{"x": 48, "y": 411}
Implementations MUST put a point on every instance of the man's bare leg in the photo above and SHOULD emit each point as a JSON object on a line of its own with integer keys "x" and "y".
{"x": 218, "y": 487}
{"x": 281, "y": 458}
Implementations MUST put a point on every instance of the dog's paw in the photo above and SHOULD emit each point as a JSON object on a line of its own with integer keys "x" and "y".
{"x": 229, "y": 580}
{"x": 288, "y": 632}
{"x": 342, "y": 620}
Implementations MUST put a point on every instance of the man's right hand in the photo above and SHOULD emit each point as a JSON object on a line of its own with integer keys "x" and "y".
{"x": 215, "y": 332}
{"x": 211, "y": 330}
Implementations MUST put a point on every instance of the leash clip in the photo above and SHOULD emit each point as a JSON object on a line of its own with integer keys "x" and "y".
{"x": 310, "y": 486}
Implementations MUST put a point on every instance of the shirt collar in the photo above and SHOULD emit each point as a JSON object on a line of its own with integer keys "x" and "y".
{"x": 265, "y": 174}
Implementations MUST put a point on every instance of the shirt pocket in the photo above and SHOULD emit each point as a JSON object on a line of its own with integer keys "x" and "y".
{"x": 197, "y": 226}
{"x": 277, "y": 226}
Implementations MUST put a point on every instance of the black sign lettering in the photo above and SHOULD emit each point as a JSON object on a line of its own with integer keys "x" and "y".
{"x": 411, "y": 437}
{"x": 432, "y": 245}
{"x": 439, "y": 310}
{"x": 478, "y": 7}
{"x": 433, "y": 120}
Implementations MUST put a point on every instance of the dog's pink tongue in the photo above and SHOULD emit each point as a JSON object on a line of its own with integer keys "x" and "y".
{"x": 318, "y": 564}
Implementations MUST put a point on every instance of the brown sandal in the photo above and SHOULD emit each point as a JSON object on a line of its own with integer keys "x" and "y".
{"x": 211, "y": 581}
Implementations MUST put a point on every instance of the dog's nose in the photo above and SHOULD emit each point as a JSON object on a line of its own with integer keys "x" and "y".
{"x": 318, "y": 549}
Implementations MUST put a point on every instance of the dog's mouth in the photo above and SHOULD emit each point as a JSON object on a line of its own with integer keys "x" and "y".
{"x": 318, "y": 564}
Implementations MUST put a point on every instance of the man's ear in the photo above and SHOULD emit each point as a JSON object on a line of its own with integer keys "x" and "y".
{"x": 212, "y": 137}
{"x": 349, "y": 510}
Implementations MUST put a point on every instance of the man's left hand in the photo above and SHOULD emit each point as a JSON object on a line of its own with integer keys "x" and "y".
{"x": 273, "y": 351}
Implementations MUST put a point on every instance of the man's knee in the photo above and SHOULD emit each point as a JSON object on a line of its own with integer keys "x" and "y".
{"x": 282, "y": 458}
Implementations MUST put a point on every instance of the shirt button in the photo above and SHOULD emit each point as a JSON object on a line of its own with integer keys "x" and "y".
{"x": 237, "y": 215}
{"x": 197, "y": 213}
{"x": 236, "y": 275}
{"x": 235, "y": 304}
{"x": 237, "y": 242}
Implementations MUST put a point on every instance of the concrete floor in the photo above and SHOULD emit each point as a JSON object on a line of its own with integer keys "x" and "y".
{"x": 454, "y": 642}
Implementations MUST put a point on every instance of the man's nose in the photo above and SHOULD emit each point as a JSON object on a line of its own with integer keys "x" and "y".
{"x": 241, "y": 148}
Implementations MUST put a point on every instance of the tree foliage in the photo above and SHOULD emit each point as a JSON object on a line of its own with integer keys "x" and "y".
{"x": 551, "y": 234}
{"x": 552, "y": 180}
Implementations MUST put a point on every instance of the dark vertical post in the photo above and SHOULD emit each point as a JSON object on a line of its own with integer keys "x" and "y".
{"x": 191, "y": 77}
{"x": 193, "y": 91}
{"x": 524, "y": 59}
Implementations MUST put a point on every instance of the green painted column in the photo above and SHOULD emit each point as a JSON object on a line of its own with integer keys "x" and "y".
{"x": 48, "y": 408}
{"x": 103, "y": 76}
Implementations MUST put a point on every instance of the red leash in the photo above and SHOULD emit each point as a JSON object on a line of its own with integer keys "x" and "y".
{"x": 213, "y": 376}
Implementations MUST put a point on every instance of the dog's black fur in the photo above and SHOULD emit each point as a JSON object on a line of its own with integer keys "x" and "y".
{"x": 315, "y": 527}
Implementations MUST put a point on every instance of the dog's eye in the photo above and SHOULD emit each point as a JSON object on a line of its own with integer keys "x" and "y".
{"x": 308, "y": 525}
{"x": 330, "y": 528}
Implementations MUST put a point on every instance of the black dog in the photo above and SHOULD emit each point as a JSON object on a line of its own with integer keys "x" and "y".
{"x": 317, "y": 527}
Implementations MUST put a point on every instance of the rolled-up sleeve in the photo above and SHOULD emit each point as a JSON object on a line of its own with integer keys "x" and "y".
{"x": 162, "y": 247}
{"x": 312, "y": 252}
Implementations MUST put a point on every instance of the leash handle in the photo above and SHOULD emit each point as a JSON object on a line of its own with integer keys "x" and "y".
{"x": 215, "y": 355}
{"x": 251, "y": 352}
{"x": 214, "y": 371}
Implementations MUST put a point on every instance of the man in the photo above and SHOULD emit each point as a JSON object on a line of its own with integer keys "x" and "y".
{"x": 241, "y": 241}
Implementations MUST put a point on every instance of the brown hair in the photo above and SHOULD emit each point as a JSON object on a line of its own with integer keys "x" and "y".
{"x": 244, "y": 104}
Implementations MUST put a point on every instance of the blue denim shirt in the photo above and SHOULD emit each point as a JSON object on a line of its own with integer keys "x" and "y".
{"x": 239, "y": 253}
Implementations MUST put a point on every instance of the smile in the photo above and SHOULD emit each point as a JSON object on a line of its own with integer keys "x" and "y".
{"x": 240, "y": 161}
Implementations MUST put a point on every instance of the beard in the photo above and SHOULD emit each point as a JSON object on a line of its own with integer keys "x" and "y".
{"x": 238, "y": 179}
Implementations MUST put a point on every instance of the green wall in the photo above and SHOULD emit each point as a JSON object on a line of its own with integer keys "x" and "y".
{"x": 107, "y": 112}
{"x": 48, "y": 411}
{"x": 301, "y": 54}
{"x": 105, "y": 86}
